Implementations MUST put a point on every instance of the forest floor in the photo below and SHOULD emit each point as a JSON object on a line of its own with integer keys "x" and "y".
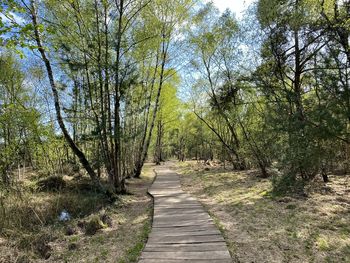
{"x": 32, "y": 232}
{"x": 259, "y": 227}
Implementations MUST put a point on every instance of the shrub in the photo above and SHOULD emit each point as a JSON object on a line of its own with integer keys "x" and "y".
{"x": 51, "y": 183}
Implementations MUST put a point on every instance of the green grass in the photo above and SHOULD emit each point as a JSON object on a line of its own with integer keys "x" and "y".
{"x": 134, "y": 253}
{"x": 291, "y": 206}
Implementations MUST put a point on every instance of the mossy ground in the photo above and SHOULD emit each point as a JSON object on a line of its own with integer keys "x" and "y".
{"x": 259, "y": 227}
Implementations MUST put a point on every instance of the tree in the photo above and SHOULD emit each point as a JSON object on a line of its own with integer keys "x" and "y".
{"x": 167, "y": 119}
{"x": 214, "y": 44}
{"x": 167, "y": 19}
{"x": 19, "y": 121}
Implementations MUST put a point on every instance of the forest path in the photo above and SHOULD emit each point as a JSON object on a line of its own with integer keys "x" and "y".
{"x": 182, "y": 230}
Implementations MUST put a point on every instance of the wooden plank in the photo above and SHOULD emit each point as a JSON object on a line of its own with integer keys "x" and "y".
{"x": 177, "y": 211}
{"x": 181, "y": 216}
{"x": 165, "y": 211}
{"x": 177, "y": 204}
{"x": 207, "y": 244}
{"x": 176, "y": 199}
{"x": 188, "y": 233}
{"x": 185, "y": 239}
{"x": 210, "y": 246}
{"x": 182, "y": 230}
{"x": 181, "y": 223}
{"x": 200, "y": 232}
{"x": 187, "y": 255}
{"x": 180, "y": 206}
{"x": 149, "y": 260}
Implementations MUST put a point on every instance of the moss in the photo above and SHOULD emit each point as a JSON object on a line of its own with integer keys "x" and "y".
{"x": 93, "y": 225}
{"x": 322, "y": 244}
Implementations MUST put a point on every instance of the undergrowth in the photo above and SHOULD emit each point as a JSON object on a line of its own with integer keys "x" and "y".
{"x": 30, "y": 228}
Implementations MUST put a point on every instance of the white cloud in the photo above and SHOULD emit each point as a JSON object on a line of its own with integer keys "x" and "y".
{"x": 237, "y": 6}
{"x": 12, "y": 18}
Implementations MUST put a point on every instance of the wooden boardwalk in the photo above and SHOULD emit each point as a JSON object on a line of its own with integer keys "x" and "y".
{"x": 182, "y": 231}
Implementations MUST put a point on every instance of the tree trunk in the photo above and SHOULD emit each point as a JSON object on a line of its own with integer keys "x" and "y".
{"x": 158, "y": 146}
{"x": 81, "y": 156}
{"x": 119, "y": 182}
{"x": 139, "y": 165}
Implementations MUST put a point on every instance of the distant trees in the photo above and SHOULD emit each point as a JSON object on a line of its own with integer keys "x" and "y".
{"x": 26, "y": 141}
{"x": 214, "y": 46}
{"x": 19, "y": 120}
{"x": 168, "y": 119}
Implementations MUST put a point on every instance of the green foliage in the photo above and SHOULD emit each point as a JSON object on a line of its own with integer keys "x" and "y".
{"x": 298, "y": 80}
{"x": 15, "y": 29}
{"x": 287, "y": 184}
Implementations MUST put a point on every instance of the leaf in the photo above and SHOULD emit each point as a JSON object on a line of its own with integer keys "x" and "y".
{"x": 28, "y": 28}
{"x": 20, "y": 53}
{"x": 41, "y": 28}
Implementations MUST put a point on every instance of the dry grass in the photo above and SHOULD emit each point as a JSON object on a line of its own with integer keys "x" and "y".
{"x": 34, "y": 217}
{"x": 261, "y": 228}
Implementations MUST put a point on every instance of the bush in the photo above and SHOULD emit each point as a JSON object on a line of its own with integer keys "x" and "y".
{"x": 51, "y": 183}
{"x": 287, "y": 184}
{"x": 69, "y": 169}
